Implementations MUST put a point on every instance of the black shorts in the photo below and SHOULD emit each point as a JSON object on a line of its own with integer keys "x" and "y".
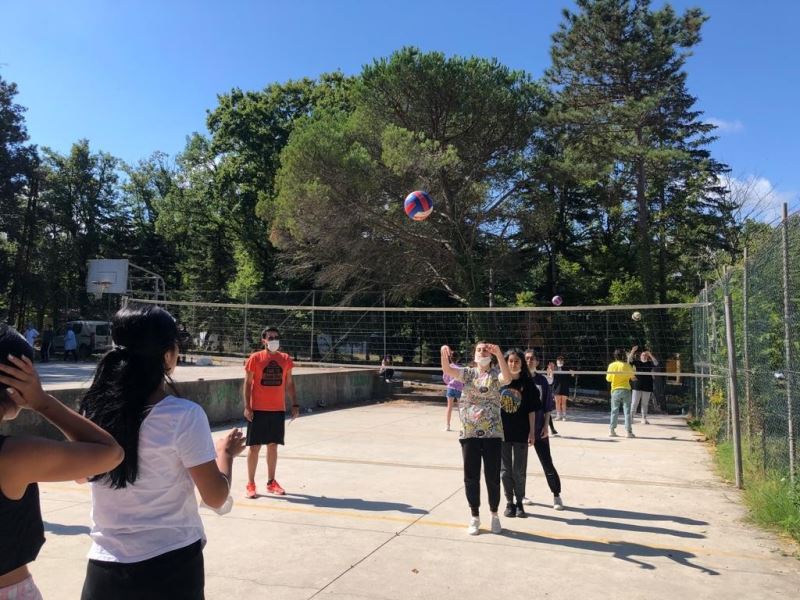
{"x": 267, "y": 427}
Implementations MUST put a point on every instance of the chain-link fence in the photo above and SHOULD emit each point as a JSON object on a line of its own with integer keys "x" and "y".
{"x": 764, "y": 291}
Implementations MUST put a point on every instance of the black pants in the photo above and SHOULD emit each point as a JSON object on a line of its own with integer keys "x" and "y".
{"x": 45, "y": 352}
{"x": 542, "y": 448}
{"x": 513, "y": 471}
{"x": 74, "y": 354}
{"x": 473, "y": 450}
{"x": 176, "y": 574}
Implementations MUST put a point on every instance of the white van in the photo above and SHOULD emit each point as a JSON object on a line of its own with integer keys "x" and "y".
{"x": 93, "y": 337}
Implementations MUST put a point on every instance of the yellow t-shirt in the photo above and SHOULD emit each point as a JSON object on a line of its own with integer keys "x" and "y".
{"x": 619, "y": 375}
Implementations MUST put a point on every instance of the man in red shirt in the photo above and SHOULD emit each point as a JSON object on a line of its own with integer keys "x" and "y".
{"x": 268, "y": 378}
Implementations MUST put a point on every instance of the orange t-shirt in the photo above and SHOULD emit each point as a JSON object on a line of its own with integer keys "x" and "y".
{"x": 269, "y": 379}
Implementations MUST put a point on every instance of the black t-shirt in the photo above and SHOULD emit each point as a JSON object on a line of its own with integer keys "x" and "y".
{"x": 518, "y": 401}
{"x": 561, "y": 383}
{"x": 643, "y": 381}
{"x": 21, "y": 528}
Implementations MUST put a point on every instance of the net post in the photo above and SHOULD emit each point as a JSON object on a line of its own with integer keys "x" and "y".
{"x": 244, "y": 329}
{"x": 733, "y": 400}
{"x": 748, "y": 396}
{"x": 313, "y": 315}
{"x": 787, "y": 343}
{"x": 384, "y": 325}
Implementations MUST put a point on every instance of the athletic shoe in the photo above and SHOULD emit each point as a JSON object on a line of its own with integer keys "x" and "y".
{"x": 630, "y": 434}
{"x": 474, "y": 526}
{"x": 557, "y": 503}
{"x": 496, "y": 527}
{"x": 511, "y": 510}
{"x": 521, "y": 514}
{"x": 645, "y": 422}
{"x": 564, "y": 417}
{"x": 251, "y": 491}
{"x": 273, "y": 487}
{"x": 527, "y": 501}
{"x": 613, "y": 434}
{"x": 447, "y": 428}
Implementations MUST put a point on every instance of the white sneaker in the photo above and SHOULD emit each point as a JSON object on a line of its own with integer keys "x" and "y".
{"x": 630, "y": 434}
{"x": 527, "y": 501}
{"x": 496, "y": 527}
{"x": 557, "y": 503}
{"x": 613, "y": 434}
{"x": 474, "y": 526}
{"x": 447, "y": 428}
{"x": 563, "y": 417}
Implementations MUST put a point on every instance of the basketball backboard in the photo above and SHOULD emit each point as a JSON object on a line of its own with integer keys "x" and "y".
{"x": 109, "y": 276}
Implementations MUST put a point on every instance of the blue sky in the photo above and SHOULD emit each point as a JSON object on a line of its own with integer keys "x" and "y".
{"x": 138, "y": 76}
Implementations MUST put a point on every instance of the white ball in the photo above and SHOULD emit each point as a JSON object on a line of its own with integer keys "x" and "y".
{"x": 636, "y": 316}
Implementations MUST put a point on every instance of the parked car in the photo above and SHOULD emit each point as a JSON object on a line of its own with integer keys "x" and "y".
{"x": 93, "y": 337}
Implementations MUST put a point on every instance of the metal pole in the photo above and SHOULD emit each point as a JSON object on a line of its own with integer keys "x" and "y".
{"x": 726, "y": 279}
{"x": 787, "y": 343}
{"x": 733, "y": 400}
{"x": 704, "y": 345}
{"x": 746, "y": 352}
{"x": 313, "y": 315}
{"x": 244, "y": 330}
{"x": 384, "y": 324}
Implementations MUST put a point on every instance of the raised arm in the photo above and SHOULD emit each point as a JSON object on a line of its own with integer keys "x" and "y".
{"x": 501, "y": 361}
{"x": 445, "y": 354}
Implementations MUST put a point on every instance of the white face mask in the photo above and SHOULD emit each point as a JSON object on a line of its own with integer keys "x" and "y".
{"x": 273, "y": 345}
{"x": 483, "y": 361}
{"x": 516, "y": 371}
{"x": 559, "y": 364}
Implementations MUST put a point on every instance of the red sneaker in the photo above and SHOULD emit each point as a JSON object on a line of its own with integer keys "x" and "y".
{"x": 275, "y": 488}
{"x": 251, "y": 491}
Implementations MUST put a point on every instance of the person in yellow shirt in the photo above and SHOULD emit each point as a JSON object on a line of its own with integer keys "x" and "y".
{"x": 619, "y": 375}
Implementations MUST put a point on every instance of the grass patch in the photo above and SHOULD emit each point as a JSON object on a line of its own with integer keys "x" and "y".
{"x": 773, "y": 502}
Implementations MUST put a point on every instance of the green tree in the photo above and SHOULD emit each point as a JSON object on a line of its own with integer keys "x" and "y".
{"x": 457, "y": 127}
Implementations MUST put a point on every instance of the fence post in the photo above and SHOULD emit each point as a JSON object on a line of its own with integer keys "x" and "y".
{"x": 313, "y": 315}
{"x": 787, "y": 343}
{"x": 746, "y": 352}
{"x": 704, "y": 342}
{"x": 733, "y": 401}
{"x": 244, "y": 329}
{"x": 384, "y": 324}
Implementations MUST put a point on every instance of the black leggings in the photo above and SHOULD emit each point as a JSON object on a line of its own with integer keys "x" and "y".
{"x": 176, "y": 574}
{"x": 542, "y": 448}
{"x": 473, "y": 450}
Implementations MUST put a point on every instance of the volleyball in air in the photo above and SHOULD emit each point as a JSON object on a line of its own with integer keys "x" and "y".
{"x": 418, "y": 205}
{"x": 557, "y": 301}
{"x": 636, "y": 316}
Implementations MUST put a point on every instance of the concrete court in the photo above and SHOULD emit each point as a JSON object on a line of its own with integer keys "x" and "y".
{"x": 376, "y": 509}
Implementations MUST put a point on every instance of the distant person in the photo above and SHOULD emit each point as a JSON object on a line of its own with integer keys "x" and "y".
{"x": 454, "y": 388}
{"x": 46, "y": 343}
{"x": 562, "y": 382}
{"x": 147, "y": 535}
{"x": 268, "y": 380}
{"x": 31, "y": 334}
{"x": 387, "y": 372}
{"x": 541, "y": 441}
{"x": 519, "y": 402}
{"x": 619, "y": 375}
{"x": 481, "y": 433}
{"x": 70, "y": 344}
{"x": 27, "y": 459}
{"x": 184, "y": 341}
{"x": 644, "y": 364}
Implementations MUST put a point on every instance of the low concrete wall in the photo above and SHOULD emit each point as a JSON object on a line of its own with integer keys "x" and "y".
{"x": 222, "y": 398}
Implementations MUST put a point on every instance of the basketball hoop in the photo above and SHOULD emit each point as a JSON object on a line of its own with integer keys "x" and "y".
{"x": 103, "y": 286}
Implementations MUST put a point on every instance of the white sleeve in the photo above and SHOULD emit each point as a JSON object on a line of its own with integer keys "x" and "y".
{"x": 193, "y": 439}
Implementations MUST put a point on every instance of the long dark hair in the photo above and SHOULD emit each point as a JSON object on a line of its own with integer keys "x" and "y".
{"x": 525, "y": 373}
{"x": 11, "y": 342}
{"x": 125, "y": 379}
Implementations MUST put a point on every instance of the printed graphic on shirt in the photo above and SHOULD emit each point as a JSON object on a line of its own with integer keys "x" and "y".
{"x": 272, "y": 375}
{"x": 510, "y": 399}
{"x": 479, "y": 405}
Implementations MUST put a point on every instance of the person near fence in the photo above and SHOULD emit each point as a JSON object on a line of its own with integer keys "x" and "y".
{"x": 31, "y": 333}
{"x": 26, "y": 460}
{"x": 454, "y": 388}
{"x": 70, "y": 344}
{"x": 562, "y": 383}
{"x": 519, "y": 403}
{"x": 620, "y": 374}
{"x": 481, "y": 434}
{"x": 268, "y": 380}
{"x": 46, "y": 343}
{"x": 147, "y": 535}
{"x": 642, "y": 391}
{"x": 386, "y": 371}
{"x": 542, "y": 422}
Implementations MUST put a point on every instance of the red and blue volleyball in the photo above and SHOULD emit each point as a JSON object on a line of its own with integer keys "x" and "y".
{"x": 418, "y": 205}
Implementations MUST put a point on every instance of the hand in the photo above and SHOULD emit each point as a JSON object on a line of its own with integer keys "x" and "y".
{"x": 446, "y": 352}
{"x": 231, "y": 444}
{"x": 545, "y": 432}
{"x": 494, "y": 350}
{"x": 295, "y": 411}
{"x": 531, "y": 440}
{"x": 248, "y": 414}
{"x": 24, "y": 387}
{"x": 634, "y": 349}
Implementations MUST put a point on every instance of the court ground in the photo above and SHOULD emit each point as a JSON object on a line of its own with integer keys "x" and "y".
{"x": 375, "y": 508}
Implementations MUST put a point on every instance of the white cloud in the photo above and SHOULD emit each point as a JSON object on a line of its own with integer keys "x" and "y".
{"x": 758, "y": 198}
{"x": 724, "y": 126}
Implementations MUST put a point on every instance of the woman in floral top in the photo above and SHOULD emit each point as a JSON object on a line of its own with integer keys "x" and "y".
{"x": 481, "y": 433}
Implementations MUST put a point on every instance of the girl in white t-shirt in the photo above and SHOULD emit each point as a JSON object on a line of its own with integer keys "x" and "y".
{"x": 147, "y": 536}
